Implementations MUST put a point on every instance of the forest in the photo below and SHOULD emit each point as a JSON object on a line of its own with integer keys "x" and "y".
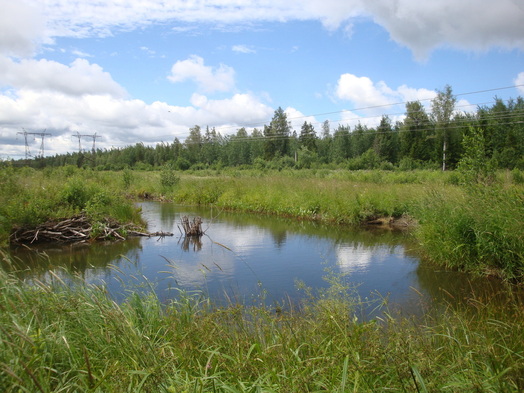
{"x": 425, "y": 139}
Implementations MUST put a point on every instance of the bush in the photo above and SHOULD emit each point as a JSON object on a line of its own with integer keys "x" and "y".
{"x": 168, "y": 178}
{"x": 517, "y": 176}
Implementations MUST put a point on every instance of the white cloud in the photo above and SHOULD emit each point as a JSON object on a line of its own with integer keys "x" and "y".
{"x": 208, "y": 79}
{"x": 366, "y": 94}
{"x": 297, "y": 119}
{"x": 420, "y": 25}
{"x": 79, "y": 53}
{"x": 80, "y": 77}
{"x": 21, "y": 28}
{"x": 242, "y": 49}
{"x": 467, "y": 24}
{"x": 119, "y": 121}
{"x": 519, "y": 82}
{"x": 362, "y": 91}
{"x": 371, "y": 100}
{"x": 239, "y": 109}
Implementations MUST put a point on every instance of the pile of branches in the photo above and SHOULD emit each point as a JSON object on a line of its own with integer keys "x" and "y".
{"x": 192, "y": 228}
{"x": 76, "y": 229}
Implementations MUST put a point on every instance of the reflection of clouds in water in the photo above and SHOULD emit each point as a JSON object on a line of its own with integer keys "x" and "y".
{"x": 213, "y": 260}
{"x": 358, "y": 258}
{"x": 219, "y": 254}
{"x": 242, "y": 239}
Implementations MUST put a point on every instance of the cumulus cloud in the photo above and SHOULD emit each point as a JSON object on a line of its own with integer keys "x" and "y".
{"x": 239, "y": 109}
{"x": 421, "y": 26}
{"x": 371, "y": 99}
{"x": 468, "y": 24}
{"x": 80, "y": 77}
{"x": 119, "y": 121}
{"x": 208, "y": 79}
{"x": 297, "y": 119}
{"x": 21, "y": 28}
{"x": 366, "y": 94}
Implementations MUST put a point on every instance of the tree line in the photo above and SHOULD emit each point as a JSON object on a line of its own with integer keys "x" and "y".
{"x": 424, "y": 139}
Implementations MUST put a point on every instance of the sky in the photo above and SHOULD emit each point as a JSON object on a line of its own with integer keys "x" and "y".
{"x": 121, "y": 72}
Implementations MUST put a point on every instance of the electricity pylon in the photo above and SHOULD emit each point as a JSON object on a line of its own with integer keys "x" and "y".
{"x": 40, "y": 134}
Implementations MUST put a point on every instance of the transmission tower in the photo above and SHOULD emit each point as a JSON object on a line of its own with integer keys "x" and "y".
{"x": 35, "y": 134}
{"x": 79, "y": 136}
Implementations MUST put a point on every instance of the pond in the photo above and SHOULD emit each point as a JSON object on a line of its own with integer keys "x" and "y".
{"x": 255, "y": 259}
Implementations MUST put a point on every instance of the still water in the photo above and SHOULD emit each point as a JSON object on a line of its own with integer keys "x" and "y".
{"x": 252, "y": 260}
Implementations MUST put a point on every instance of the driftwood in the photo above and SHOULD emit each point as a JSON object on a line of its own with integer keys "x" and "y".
{"x": 192, "y": 228}
{"x": 76, "y": 229}
{"x": 148, "y": 234}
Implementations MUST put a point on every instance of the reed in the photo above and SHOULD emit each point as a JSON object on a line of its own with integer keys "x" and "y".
{"x": 479, "y": 230}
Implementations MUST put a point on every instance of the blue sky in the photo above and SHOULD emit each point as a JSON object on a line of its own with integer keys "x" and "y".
{"x": 146, "y": 71}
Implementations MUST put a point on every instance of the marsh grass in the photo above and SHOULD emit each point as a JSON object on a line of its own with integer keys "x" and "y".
{"x": 478, "y": 230}
{"x": 64, "y": 338}
{"x": 29, "y": 197}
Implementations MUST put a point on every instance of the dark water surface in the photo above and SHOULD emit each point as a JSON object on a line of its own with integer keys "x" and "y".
{"x": 256, "y": 259}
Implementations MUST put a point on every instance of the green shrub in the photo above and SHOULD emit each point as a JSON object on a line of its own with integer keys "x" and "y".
{"x": 75, "y": 193}
{"x": 517, "y": 176}
{"x": 168, "y": 178}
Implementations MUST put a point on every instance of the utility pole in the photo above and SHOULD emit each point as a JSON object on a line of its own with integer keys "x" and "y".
{"x": 35, "y": 134}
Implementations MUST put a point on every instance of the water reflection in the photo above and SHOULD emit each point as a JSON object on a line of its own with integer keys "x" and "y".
{"x": 251, "y": 259}
{"x": 79, "y": 259}
{"x": 193, "y": 243}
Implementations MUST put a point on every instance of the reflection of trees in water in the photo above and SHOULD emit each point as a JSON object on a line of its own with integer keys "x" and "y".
{"x": 168, "y": 215}
{"x": 194, "y": 242}
{"x": 458, "y": 289}
{"x": 73, "y": 258}
{"x": 281, "y": 227}
{"x": 279, "y": 237}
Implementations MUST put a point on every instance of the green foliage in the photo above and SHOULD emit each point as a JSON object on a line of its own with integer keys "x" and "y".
{"x": 478, "y": 230}
{"x": 58, "y": 337}
{"x": 182, "y": 164}
{"x": 30, "y": 198}
{"x": 127, "y": 177}
{"x": 76, "y": 193}
{"x": 518, "y": 176}
{"x": 368, "y": 160}
{"x": 168, "y": 178}
{"x": 306, "y": 158}
{"x": 474, "y": 166}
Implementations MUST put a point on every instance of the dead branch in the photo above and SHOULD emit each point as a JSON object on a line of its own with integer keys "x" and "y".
{"x": 76, "y": 229}
{"x": 193, "y": 227}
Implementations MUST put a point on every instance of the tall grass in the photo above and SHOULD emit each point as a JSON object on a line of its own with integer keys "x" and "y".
{"x": 58, "y": 338}
{"x": 479, "y": 230}
{"x": 29, "y": 197}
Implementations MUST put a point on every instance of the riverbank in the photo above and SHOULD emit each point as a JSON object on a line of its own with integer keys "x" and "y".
{"x": 474, "y": 228}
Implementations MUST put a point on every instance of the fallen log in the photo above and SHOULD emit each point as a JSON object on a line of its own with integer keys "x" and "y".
{"x": 149, "y": 234}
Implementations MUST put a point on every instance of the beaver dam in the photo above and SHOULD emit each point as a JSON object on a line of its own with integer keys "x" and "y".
{"x": 77, "y": 229}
